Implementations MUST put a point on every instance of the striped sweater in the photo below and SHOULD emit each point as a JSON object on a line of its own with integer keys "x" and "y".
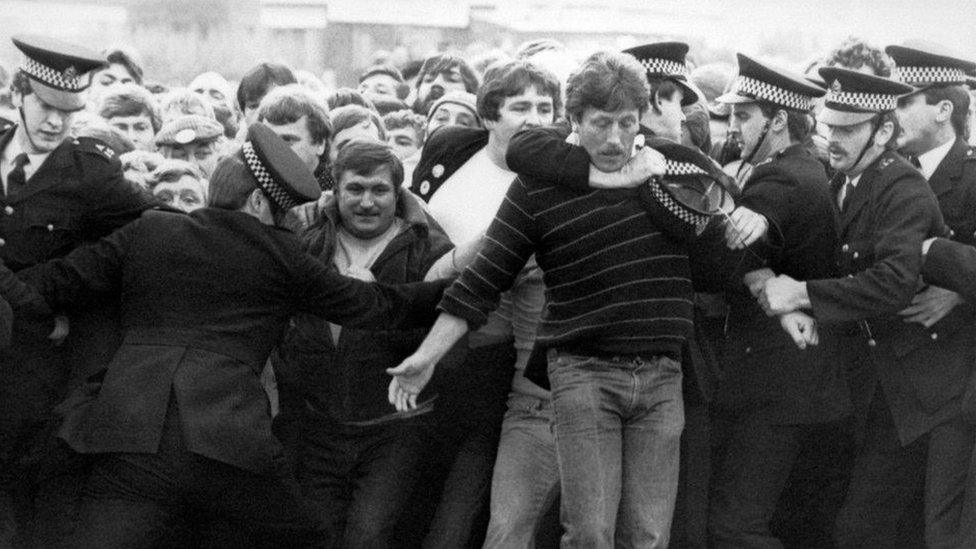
{"x": 615, "y": 284}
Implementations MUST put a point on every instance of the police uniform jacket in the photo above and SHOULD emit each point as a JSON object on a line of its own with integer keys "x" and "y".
{"x": 954, "y": 184}
{"x": 205, "y": 297}
{"x": 77, "y": 195}
{"x": 921, "y": 370}
{"x": 762, "y": 367}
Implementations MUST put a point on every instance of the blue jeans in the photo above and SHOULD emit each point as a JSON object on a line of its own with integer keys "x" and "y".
{"x": 526, "y": 477}
{"x": 618, "y": 423}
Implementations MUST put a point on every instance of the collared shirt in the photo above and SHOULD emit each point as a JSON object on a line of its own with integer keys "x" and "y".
{"x": 10, "y": 153}
{"x": 843, "y": 190}
{"x": 929, "y": 161}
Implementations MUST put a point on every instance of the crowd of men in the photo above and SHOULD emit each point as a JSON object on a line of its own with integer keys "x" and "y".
{"x": 490, "y": 302}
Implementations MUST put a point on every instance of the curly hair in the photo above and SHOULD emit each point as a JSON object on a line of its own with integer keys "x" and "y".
{"x": 406, "y": 118}
{"x": 855, "y": 53}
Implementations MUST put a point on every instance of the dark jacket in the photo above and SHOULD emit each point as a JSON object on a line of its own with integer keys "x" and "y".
{"x": 76, "y": 196}
{"x": 921, "y": 370}
{"x": 762, "y": 367}
{"x": 205, "y": 298}
{"x": 346, "y": 380}
{"x": 446, "y": 151}
{"x": 954, "y": 184}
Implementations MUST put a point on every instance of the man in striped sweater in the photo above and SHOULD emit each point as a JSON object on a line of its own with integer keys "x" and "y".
{"x": 618, "y": 314}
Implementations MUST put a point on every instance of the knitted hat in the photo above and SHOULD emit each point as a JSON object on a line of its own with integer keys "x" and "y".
{"x": 464, "y": 99}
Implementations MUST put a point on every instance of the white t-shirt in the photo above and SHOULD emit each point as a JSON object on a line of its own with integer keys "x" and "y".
{"x": 466, "y": 203}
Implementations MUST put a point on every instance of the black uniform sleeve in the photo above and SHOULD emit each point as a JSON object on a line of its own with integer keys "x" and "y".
{"x": 544, "y": 155}
{"x": 85, "y": 274}
{"x": 951, "y": 265}
{"x": 113, "y": 201}
{"x": 322, "y": 291}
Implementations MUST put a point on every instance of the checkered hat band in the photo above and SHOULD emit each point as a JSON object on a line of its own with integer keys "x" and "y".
{"x": 875, "y": 102}
{"x": 665, "y": 66}
{"x": 673, "y": 167}
{"x": 684, "y": 214}
{"x": 51, "y": 77}
{"x": 928, "y": 75}
{"x": 265, "y": 180}
{"x": 765, "y": 91}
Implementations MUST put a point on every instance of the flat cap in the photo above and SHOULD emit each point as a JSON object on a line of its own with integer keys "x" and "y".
{"x": 854, "y": 97}
{"x": 282, "y": 175}
{"x": 925, "y": 65}
{"x": 762, "y": 82}
{"x": 189, "y": 128}
{"x": 59, "y": 71}
{"x": 461, "y": 98}
{"x": 666, "y": 60}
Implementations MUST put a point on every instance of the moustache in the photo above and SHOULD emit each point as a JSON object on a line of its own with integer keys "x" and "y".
{"x": 611, "y": 151}
{"x": 836, "y": 151}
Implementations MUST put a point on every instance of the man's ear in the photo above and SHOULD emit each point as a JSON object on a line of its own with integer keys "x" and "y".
{"x": 256, "y": 199}
{"x": 779, "y": 121}
{"x": 943, "y": 111}
{"x": 884, "y": 134}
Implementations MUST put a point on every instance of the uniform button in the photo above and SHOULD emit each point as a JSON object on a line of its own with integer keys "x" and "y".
{"x": 748, "y": 350}
{"x": 2, "y": 242}
{"x": 856, "y": 255}
{"x": 934, "y": 335}
{"x": 844, "y": 248}
{"x": 850, "y": 276}
{"x": 9, "y": 210}
{"x": 952, "y": 233}
{"x": 872, "y": 343}
{"x": 50, "y": 227}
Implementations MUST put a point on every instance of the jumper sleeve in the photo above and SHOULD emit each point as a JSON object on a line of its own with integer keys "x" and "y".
{"x": 543, "y": 154}
{"x": 507, "y": 246}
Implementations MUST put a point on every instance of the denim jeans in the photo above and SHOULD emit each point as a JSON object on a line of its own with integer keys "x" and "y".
{"x": 526, "y": 477}
{"x": 618, "y": 423}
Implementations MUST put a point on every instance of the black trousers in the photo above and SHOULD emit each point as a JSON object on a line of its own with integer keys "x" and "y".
{"x": 143, "y": 500}
{"x": 361, "y": 477}
{"x": 754, "y": 465}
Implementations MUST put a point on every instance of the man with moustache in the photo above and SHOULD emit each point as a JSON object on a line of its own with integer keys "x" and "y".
{"x": 906, "y": 379}
{"x": 440, "y": 74}
{"x": 775, "y": 403}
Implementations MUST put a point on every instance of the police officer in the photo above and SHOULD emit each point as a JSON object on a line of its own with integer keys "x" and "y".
{"x": 56, "y": 193}
{"x": 906, "y": 379}
{"x": 775, "y": 402}
{"x": 180, "y": 424}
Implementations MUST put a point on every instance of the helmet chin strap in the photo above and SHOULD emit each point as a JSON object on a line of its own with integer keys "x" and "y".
{"x": 23, "y": 124}
{"x": 752, "y": 154}
{"x": 875, "y": 126}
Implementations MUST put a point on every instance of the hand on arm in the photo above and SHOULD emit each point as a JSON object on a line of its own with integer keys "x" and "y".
{"x": 645, "y": 164}
{"x": 782, "y": 294}
{"x": 412, "y": 375}
{"x": 755, "y": 280}
{"x": 744, "y": 227}
{"x": 930, "y": 306}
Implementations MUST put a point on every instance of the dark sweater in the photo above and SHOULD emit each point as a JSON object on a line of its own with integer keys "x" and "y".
{"x": 615, "y": 283}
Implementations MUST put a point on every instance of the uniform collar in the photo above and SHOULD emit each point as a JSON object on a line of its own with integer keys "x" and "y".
{"x": 14, "y": 148}
{"x": 929, "y": 161}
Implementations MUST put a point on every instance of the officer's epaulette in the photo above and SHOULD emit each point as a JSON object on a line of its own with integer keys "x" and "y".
{"x": 94, "y": 146}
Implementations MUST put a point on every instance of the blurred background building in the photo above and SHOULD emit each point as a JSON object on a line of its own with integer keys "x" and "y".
{"x": 338, "y": 38}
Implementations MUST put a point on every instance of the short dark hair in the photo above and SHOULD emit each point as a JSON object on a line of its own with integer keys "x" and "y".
{"x": 444, "y": 62}
{"x": 798, "y": 124}
{"x": 21, "y": 84}
{"x": 608, "y": 81}
{"x": 388, "y": 70}
{"x": 348, "y": 96}
{"x": 406, "y": 118}
{"x": 510, "y": 78}
{"x": 885, "y": 117}
{"x": 958, "y": 96}
{"x": 288, "y": 104}
{"x": 351, "y": 115}
{"x": 256, "y": 82}
{"x": 663, "y": 88}
{"x": 130, "y": 100}
{"x": 231, "y": 183}
{"x": 363, "y": 157}
{"x": 127, "y": 59}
